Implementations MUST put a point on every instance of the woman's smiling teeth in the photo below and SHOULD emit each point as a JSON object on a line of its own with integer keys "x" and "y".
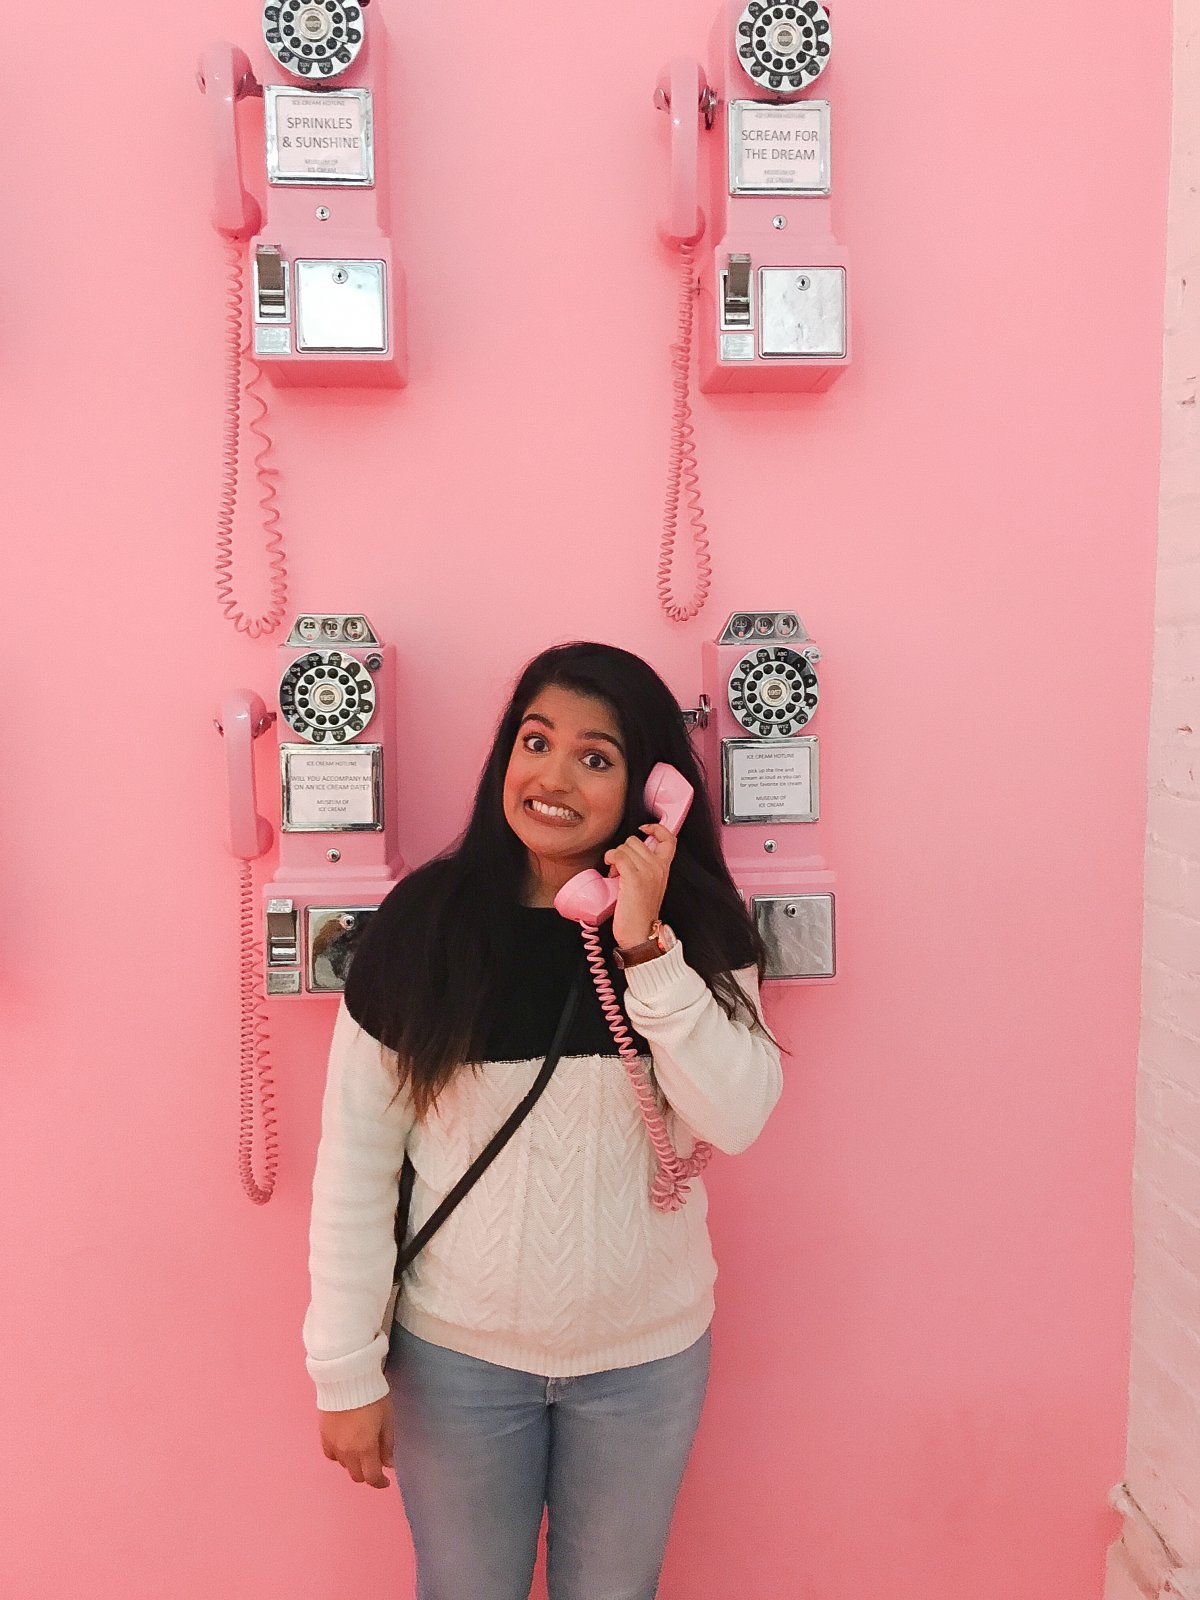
{"x": 552, "y": 813}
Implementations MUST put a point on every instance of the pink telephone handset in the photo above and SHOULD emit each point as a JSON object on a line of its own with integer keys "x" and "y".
{"x": 683, "y": 91}
{"x": 225, "y": 76}
{"x": 589, "y": 898}
{"x": 241, "y": 719}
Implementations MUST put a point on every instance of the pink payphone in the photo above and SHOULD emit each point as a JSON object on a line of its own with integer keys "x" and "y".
{"x": 758, "y": 187}
{"x": 755, "y": 723}
{"x": 326, "y": 294}
{"x": 326, "y": 302}
{"x": 338, "y": 849}
{"x": 749, "y": 212}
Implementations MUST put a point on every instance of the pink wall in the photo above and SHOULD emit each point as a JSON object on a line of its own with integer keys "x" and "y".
{"x": 922, "y": 1342}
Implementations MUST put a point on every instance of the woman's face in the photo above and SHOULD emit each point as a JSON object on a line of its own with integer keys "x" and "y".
{"x": 564, "y": 790}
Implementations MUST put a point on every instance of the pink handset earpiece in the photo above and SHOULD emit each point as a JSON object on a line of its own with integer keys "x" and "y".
{"x": 588, "y": 899}
{"x": 669, "y": 795}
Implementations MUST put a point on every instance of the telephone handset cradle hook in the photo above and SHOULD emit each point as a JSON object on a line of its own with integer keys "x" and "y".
{"x": 708, "y": 102}
{"x": 697, "y": 716}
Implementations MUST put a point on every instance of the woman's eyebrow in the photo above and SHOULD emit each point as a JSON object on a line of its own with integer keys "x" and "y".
{"x": 588, "y": 733}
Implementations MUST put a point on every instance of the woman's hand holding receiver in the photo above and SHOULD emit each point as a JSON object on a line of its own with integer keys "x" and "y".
{"x": 361, "y": 1440}
{"x": 643, "y": 874}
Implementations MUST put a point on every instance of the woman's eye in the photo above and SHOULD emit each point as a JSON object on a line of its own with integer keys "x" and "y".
{"x": 532, "y": 739}
{"x": 595, "y": 756}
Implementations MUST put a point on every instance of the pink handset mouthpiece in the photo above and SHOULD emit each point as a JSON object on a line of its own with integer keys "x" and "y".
{"x": 680, "y": 85}
{"x": 590, "y": 896}
{"x": 241, "y": 719}
{"x": 225, "y": 76}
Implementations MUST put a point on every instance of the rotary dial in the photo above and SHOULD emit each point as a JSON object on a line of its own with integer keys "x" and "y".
{"x": 773, "y": 691}
{"x": 783, "y": 46}
{"x": 327, "y": 697}
{"x": 313, "y": 38}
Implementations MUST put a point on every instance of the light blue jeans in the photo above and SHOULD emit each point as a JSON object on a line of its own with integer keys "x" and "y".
{"x": 481, "y": 1449}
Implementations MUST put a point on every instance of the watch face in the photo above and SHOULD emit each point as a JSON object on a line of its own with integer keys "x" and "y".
{"x": 773, "y": 691}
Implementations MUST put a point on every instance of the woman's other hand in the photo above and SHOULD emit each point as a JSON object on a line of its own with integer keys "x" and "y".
{"x": 643, "y": 882}
{"x": 361, "y": 1440}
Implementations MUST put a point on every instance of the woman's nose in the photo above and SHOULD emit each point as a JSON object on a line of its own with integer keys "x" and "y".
{"x": 557, "y": 775}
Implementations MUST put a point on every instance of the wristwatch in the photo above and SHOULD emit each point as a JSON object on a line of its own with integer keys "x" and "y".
{"x": 660, "y": 941}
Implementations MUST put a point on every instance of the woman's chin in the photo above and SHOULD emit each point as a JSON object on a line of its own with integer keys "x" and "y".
{"x": 549, "y": 844}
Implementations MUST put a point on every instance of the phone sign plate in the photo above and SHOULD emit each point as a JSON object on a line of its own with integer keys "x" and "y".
{"x": 272, "y": 341}
{"x": 770, "y": 780}
{"x": 779, "y": 149}
{"x": 321, "y": 140}
{"x": 336, "y": 789}
{"x": 737, "y": 347}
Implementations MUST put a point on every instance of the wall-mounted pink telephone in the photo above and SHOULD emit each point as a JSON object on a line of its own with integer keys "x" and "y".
{"x": 590, "y": 898}
{"x": 326, "y": 296}
{"x": 761, "y": 695}
{"x": 338, "y": 850}
{"x": 773, "y": 283}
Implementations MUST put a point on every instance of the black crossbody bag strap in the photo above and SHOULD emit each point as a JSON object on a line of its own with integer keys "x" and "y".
{"x": 407, "y": 1253}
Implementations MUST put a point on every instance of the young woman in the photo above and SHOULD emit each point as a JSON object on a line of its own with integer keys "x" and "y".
{"x": 550, "y": 1348}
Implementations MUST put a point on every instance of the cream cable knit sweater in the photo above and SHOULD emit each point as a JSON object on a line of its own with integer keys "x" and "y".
{"x": 556, "y": 1262}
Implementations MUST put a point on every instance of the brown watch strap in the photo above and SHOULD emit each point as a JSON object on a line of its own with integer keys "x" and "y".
{"x": 637, "y": 953}
{"x": 650, "y": 949}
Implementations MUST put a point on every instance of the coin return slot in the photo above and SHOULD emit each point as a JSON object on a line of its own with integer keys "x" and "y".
{"x": 283, "y": 934}
{"x": 735, "y": 293}
{"x": 270, "y": 285}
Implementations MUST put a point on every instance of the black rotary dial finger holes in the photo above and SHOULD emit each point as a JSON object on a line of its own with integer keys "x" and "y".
{"x": 773, "y": 692}
{"x": 327, "y": 694}
{"x": 313, "y": 38}
{"x": 785, "y": 45}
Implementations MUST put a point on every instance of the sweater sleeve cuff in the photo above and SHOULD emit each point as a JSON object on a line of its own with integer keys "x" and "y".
{"x": 667, "y": 983}
{"x": 350, "y": 1381}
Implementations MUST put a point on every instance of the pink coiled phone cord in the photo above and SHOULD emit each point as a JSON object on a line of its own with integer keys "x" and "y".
{"x": 235, "y": 342}
{"x": 255, "y": 1054}
{"x": 683, "y": 477}
{"x": 669, "y": 1190}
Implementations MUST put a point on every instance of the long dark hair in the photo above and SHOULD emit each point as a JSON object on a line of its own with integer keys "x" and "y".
{"x": 426, "y": 977}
